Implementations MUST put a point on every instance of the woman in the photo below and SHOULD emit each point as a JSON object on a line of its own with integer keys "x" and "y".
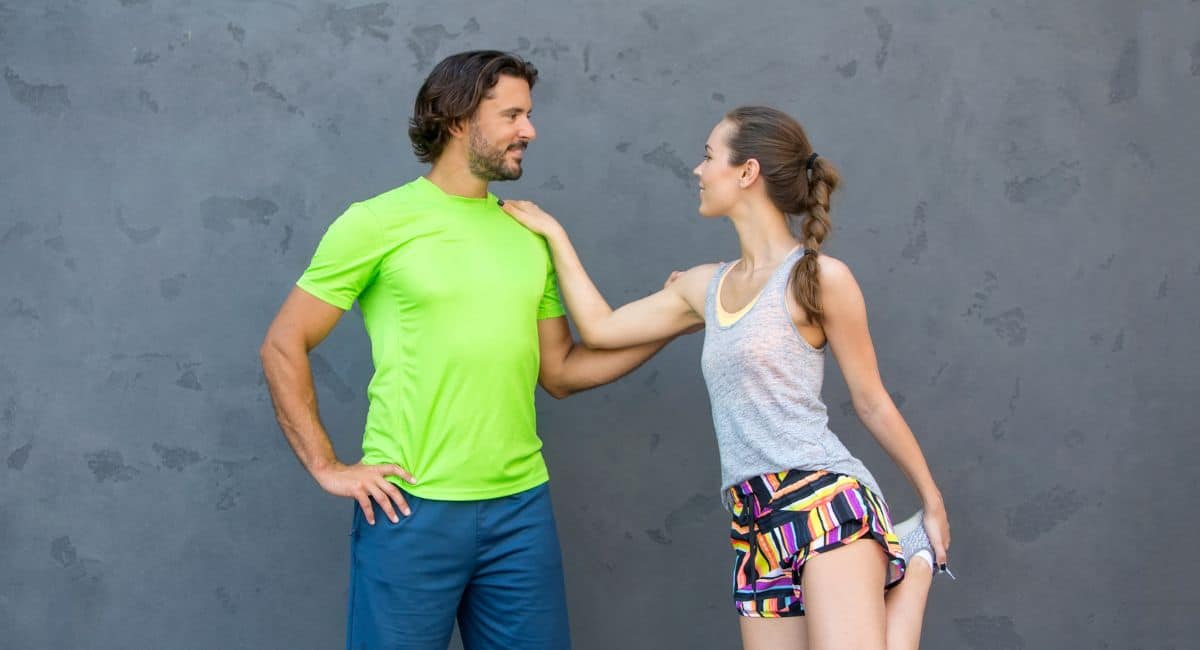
{"x": 810, "y": 530}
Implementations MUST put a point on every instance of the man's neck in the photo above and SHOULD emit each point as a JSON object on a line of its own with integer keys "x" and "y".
{"x": 457, "y": 180}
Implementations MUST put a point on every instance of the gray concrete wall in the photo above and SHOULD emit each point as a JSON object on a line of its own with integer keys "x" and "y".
{"x": 1019, "y": 207}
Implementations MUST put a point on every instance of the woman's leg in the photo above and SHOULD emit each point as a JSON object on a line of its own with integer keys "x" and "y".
{"x": 906, "y": 606}
{"x": 773, "y": 633}
{"x": 843, "y": 597}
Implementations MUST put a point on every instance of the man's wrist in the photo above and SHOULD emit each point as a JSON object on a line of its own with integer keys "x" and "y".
{"x": 323, "y": 466}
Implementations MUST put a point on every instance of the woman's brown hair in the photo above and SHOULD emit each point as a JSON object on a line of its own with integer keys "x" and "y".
{"x": 798, "y": 182}
{"x": 452, "y": 92}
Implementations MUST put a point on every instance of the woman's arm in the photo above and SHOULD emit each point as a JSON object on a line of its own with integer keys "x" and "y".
{"x": 846, "y": 329}
{"x": 661, "y": 315}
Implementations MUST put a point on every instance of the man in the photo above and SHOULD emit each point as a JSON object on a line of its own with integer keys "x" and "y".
{"x": 461, "y": 305}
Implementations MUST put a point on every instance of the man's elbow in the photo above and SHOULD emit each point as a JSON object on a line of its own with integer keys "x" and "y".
{"x": 265, "y": 351}
{"x": 557, "y": 381}
{"x": 557, "y": 389}
{"x": 274, "y": 347}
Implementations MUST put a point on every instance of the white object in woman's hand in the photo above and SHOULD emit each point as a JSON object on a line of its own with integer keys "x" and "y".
{"x": 528, "y": 214}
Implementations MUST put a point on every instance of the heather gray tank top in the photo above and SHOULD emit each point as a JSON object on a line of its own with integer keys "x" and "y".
{"x": 764, "y": 383}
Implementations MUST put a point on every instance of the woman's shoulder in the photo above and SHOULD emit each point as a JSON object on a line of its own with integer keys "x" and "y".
{"x": 700, "y": 275}
{"x": 833, "y": 269}
{"x": 837, "y": 282}
{"x": 693, "y": 283}
{"x": 703, "y": 271}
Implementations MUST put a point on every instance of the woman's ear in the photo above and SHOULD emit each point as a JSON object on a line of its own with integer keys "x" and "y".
{"x": 750, "y": 171}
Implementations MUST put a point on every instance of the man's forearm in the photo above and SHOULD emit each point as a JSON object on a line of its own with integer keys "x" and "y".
{"x": 289, "y": 378}
{"x": 586, "y": 368}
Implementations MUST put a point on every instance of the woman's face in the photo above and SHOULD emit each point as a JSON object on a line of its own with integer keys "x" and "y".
{"x": 719, "y": 181}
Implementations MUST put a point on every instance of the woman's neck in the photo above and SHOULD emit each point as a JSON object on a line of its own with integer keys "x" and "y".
{"x": 763, "y": 235}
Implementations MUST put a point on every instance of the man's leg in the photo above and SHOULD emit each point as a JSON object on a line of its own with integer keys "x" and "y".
{"x": 516, "y": 599}
{"x": 406, "y": 579}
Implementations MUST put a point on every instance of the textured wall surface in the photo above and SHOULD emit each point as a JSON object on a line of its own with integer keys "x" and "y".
{"x": 1019, "y": 207}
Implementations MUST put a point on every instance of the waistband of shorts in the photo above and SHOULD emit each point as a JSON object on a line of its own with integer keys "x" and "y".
{"x": 757, "y": 492}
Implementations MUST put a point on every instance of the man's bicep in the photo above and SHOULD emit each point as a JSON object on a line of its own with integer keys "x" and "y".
{"x": 554, "y": 343}
{"x": 303, "y": 318}
{"x": 554, "y": 339}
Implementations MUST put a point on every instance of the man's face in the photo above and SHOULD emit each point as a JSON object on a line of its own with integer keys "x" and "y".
{"x": 500, "y": 130}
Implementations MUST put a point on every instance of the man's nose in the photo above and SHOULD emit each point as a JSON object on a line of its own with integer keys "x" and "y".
{"x": 527, "y": 132}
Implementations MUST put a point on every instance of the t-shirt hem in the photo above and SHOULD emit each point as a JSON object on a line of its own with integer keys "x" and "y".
{"x": 323, "y": 295}
{"x": 471, "y": 495}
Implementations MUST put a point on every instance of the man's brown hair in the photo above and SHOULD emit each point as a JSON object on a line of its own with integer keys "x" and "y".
{"x": 453, "y": 91}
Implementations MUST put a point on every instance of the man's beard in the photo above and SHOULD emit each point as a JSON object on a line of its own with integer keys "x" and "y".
{"x": 488, "y": 163}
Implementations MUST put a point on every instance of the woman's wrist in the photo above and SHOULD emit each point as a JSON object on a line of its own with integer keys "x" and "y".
{"x": 931, "y": 500}
{"x": 556, "y": 236}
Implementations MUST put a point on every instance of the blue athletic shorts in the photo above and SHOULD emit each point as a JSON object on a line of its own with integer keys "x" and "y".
{"x": 494, "y": 565}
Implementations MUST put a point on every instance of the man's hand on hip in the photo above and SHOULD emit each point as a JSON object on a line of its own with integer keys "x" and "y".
{"x": 364, "y": 483}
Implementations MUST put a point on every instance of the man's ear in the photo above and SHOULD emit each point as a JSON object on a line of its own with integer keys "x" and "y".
{"x": 457, "y": 128}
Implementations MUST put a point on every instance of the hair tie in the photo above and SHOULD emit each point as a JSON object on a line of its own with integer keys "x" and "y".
{"x": 809, "y": 251}
{"x": 811, "y": 159}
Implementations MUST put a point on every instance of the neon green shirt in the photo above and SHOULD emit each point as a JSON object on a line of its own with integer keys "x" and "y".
{"x": 451, "y": 290}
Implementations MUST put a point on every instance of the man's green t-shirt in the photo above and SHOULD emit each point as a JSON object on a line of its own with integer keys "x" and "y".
{"x": 451, "y": 290}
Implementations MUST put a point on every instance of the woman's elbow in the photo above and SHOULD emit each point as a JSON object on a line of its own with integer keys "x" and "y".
{"x": 870, "y": 407}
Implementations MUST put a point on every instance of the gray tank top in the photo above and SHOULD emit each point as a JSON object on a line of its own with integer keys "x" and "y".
{"x": 764, "y": 383}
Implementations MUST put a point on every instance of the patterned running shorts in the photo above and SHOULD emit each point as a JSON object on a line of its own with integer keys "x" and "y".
{"x": 780, "y": 520}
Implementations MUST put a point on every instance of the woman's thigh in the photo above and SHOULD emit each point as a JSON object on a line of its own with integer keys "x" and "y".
{"x": 906, "y": 607}
{"x": 788, "y": 633}
{"x": 844, "y": 597}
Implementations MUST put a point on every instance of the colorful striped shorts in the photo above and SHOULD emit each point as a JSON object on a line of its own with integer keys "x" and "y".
{"x": 782, "y": 519}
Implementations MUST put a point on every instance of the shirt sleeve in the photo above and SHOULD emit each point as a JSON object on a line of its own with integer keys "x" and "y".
{"x": 347, "y": 258}
{"x": 551, "y": 304}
